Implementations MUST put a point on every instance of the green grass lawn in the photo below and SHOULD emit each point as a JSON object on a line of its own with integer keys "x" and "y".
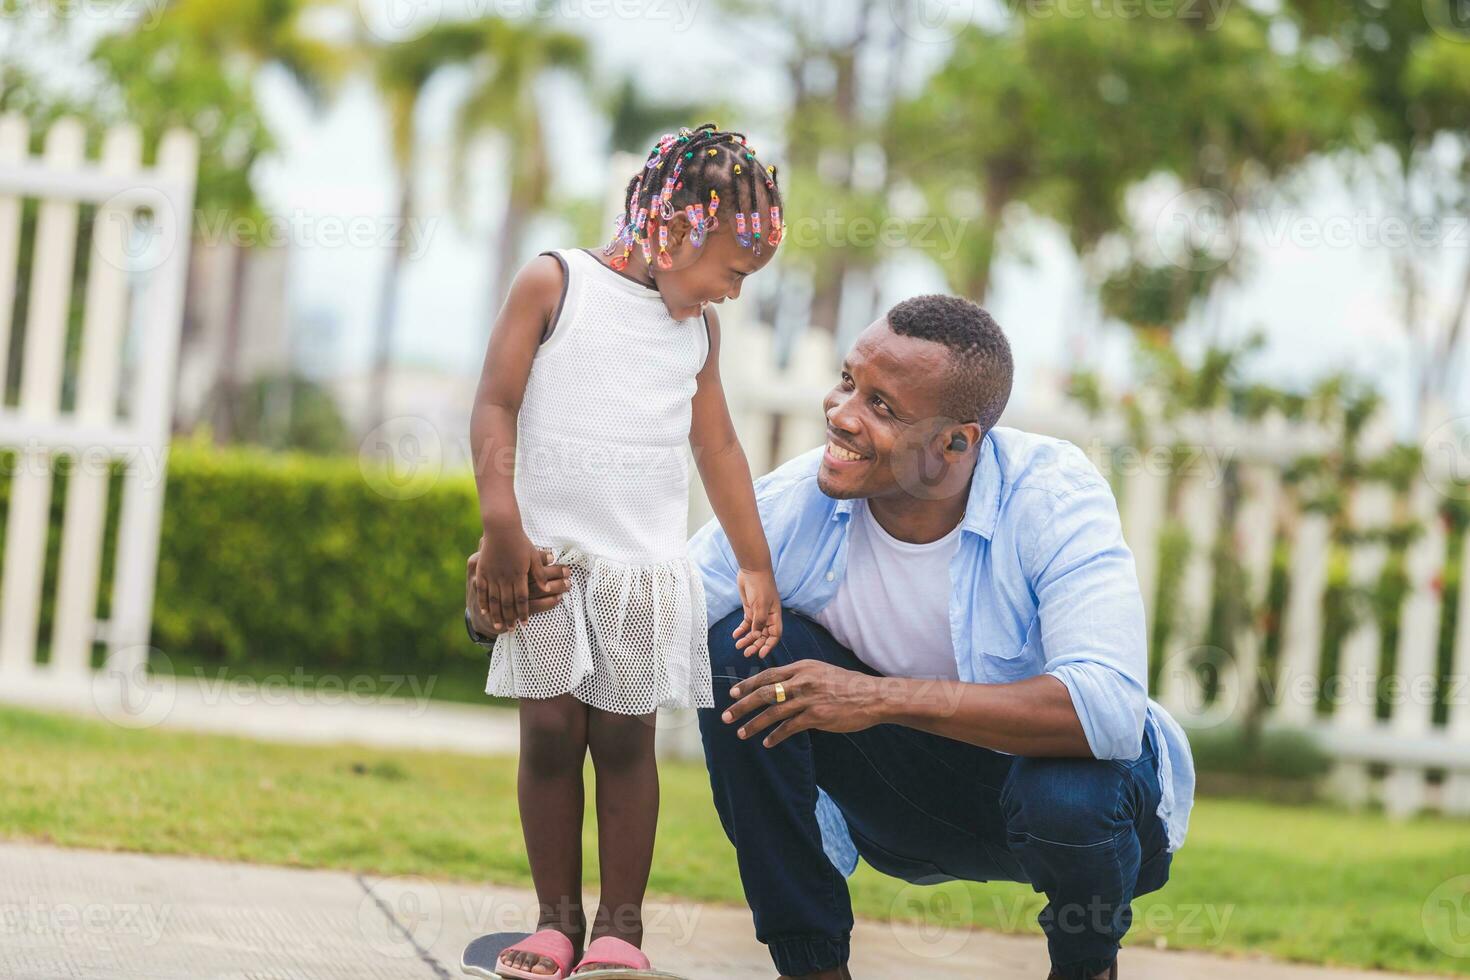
{"x": 1304, "y": 883}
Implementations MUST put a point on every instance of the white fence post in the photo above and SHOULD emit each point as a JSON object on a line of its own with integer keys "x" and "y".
{"x": 97, "y": 378}
{"x": 150, "y": 409}
{"x": 40, "y": 402}
{"x": 1457, "y": 782}
{"x": 14, "y": 137}
{"x": 813, "y": 368}
{"x": 1145, "y": 495}
{"x": 93, "y": 433}
{"x": 1412, "y": 715}
{"x": 1301, "y": 628}
{"x": 1255, "y": 530}
{"x": 1357, "y": 673}
{"x": 1199, "y": 510}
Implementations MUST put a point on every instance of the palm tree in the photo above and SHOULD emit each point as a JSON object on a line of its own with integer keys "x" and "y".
{"x": 511, "y": 62}
{"x": 401, "y": 71}
{"x": 195, "y": 65}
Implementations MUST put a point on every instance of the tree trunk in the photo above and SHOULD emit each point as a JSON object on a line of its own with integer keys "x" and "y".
{"x": 227, "y": 388}
{"x": 377, "y": 396}
{"x": 507, "y": 252}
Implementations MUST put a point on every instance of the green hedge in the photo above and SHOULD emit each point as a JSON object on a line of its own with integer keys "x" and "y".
{"x": 283, "y": 559}
{"x": 299, "y": 559}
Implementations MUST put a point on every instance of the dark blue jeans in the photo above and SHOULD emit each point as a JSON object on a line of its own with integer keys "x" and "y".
{"x": 925, "y": 809}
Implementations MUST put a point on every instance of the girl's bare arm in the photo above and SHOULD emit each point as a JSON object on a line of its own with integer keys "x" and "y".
{"x": 722, "y": 463}
{"x": 514, "y": 340}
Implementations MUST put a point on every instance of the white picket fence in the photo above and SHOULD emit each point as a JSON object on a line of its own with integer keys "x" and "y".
{"x": 129, "y": 325}
{"x": 1409, "y": 745}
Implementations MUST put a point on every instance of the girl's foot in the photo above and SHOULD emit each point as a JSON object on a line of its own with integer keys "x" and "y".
{"x": 549, "y": 952}
{"x": 610, "y": 952}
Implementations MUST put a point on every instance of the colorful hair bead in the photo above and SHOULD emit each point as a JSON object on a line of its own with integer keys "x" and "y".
{"x": 647, "y": 243}
{"x": 695, "y": 214}
{"x": 617, "y": 236}
{"x": 777, "y": 231}
{"x": 741, "y": 235}
{"x": 665, "y": 260}
{"x": 714, "y": 204}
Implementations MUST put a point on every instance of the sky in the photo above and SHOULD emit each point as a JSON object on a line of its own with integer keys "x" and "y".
{"x": 1319, "y": 284}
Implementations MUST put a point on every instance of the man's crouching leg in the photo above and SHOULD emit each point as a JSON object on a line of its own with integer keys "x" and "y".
{"x": 1088, "y": 834}
{"x": 766, "y": 799}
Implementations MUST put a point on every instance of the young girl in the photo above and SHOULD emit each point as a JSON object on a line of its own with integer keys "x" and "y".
{"x": 602, "y": 372}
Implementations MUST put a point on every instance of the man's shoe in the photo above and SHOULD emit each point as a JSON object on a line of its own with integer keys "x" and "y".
{"x": 1111, "y": 973}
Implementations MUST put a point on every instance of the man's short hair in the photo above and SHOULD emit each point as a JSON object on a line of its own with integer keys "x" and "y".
{"x": 978, "y": 384}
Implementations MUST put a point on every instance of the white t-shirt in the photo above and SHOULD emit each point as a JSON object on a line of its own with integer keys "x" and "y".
{"x": 892, "y": 609}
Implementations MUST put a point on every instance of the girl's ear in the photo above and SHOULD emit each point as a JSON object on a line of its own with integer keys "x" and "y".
{"x": 682, "y": 249}
{"x": 679, "y": 229}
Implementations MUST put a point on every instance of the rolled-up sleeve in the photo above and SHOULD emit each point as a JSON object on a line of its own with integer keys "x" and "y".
{"x": 1091, "y": 615}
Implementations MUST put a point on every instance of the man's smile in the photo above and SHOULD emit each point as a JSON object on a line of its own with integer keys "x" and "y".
{"x": 836, "y": 452}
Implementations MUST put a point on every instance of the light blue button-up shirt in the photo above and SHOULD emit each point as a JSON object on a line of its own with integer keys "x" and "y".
{"x": 1042, "y": 584}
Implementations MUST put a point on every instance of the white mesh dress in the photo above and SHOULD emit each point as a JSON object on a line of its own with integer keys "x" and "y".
{"x": 602, "y": 479}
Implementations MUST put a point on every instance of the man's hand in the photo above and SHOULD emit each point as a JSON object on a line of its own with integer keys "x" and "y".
{"x": 542, "y": 593}
{"x": 817, "y": 696}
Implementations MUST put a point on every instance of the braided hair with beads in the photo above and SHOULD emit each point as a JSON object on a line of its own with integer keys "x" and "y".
{"x": 686, "y": 171}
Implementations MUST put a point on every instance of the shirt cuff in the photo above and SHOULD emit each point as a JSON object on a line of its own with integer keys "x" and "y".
{"x": 469, "y": 627}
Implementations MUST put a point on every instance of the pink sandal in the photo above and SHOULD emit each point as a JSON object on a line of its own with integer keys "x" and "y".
{"x": 548, "y": 943}
{"x": 612, "y": 955}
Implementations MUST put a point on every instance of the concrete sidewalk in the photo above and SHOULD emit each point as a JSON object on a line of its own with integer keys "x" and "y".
{"x": 86, "y": 914}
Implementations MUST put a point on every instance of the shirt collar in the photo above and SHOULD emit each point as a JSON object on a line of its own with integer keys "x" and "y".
{"x": 982, "y": 509}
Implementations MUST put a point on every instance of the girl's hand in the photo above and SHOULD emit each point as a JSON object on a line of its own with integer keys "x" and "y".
{"x": 502, "y": 576}
{"x": 760, "y": 630}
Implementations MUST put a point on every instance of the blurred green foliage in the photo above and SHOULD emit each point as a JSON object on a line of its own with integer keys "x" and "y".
{"x": 289, "y": 559}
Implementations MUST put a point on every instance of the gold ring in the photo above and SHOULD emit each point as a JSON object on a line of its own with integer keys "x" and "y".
{"x": 780, "y": 693}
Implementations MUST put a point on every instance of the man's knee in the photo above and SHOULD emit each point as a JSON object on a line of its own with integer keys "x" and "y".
{"x": 1077, "y": 802}
{"x": 798, "y": 642}
{"x": 724, "y": 659}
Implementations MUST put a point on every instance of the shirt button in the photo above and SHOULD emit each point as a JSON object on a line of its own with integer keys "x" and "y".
{"x": 831, "y": 576}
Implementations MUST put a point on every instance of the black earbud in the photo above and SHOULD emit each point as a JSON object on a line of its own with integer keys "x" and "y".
{"x": 959, "y": 443}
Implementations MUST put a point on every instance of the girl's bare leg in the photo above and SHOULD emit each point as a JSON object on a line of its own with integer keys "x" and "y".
{"x": 627, "y": 818}
{"x": 551, "y": 795}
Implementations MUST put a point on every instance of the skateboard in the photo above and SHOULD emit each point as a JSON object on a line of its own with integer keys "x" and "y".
{"x": 482, "y": 954}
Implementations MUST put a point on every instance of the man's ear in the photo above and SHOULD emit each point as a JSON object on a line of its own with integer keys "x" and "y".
{"x": 960, "y": 438}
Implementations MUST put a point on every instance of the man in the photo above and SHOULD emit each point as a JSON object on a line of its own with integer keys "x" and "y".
{"x": 961, "y": 690}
